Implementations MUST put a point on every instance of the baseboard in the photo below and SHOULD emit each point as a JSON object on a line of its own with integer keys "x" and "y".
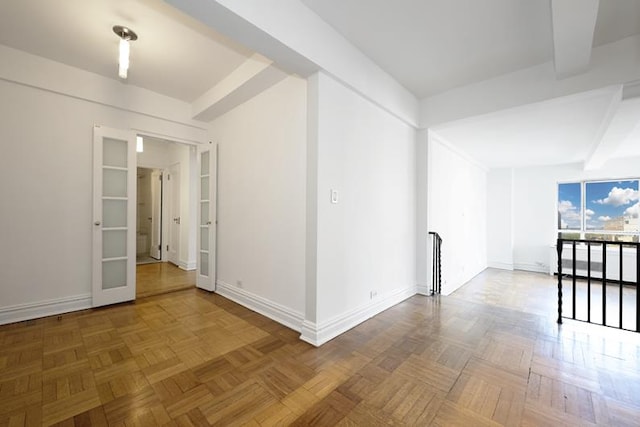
{"x": 423, "y": 290}
{"x": 21, "y": 312}
{"x": 188, "y": 266}
{"x": 283, "y": 315}
{"x": 535, "y": 268}
{"x": 501, "y": 265}
{"x": 318, "y": 334}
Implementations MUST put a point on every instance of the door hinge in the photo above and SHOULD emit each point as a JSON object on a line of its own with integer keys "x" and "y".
{"x": 167, "y": 248}
{"x": 159, "y": 247}
{"x": 168, "y": 177}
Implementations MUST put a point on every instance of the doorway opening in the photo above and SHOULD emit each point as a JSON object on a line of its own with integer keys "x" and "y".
{"x": 149, "y": 216}
{"x": 165, "y": 233}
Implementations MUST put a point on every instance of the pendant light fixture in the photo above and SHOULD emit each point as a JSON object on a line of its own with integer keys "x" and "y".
{"x": 126, "y": 35}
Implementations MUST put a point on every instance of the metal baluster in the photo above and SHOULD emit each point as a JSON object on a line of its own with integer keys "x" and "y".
{"x": 637, "y": 284}
{"x": 439, "y": 264}
{"x": 620, "y": 282}
{"x": 589, "y": 282}
{"x": 573, "y": 277}
{"x": 604, "y": 283}
{"x": 559, "y": 250}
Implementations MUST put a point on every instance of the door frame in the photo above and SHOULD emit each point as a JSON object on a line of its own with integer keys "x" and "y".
{"x": 157, "y": 174}
{"x": 173, "y": 201}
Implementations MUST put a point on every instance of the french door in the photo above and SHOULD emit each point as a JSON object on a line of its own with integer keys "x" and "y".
{"x": 114, "y": 210}
{"x": 206, "y": 239}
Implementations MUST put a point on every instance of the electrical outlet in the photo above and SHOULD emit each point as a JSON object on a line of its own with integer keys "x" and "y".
{"x": 239, "y": 283}
{"x": 373, "y": 294}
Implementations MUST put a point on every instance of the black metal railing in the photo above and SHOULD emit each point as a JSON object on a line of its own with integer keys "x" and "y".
{"x": 589, "y": 270}
{"x": 436, "y": 263}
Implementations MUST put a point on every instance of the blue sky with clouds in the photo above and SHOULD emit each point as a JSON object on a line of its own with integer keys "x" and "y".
{"x": 569, "y": 205}
{"x": 603, "y": 201}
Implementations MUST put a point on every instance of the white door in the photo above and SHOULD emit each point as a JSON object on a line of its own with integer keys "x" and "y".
{"x": 173, "y": 199}
{"x": 114, "y": 216}
{"x": 206, "y": 260}
{"x": 155, "y": 250}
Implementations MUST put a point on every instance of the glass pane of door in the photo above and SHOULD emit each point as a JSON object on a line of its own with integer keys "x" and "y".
{"x": 205, "y": 278}
{"x": 204, "y": 213}
{"x": 114, "y": 216}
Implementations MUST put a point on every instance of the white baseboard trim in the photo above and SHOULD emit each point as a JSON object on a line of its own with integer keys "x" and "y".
{"x": 188, "y": 266}
{"x": 535, "y": 268}
{"x": 283, "y": 315}
{"x": 317, "y": 335}
{"x": 423, "y": 290}
{"x": 501, "y": 265}
{"x": 21, "y": 312}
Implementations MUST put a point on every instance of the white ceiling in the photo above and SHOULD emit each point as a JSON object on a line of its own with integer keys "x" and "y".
{"x": 174, "y": 54}
{"x": 431, "y": 46}
{"x": 558, "y": 131}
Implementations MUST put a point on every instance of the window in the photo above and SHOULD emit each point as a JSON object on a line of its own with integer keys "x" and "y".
{"x": 599, "y": 210}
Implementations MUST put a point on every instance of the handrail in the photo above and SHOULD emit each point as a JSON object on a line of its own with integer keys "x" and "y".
{"x": 436, "y": 288}
{"x": 590, "y": 263}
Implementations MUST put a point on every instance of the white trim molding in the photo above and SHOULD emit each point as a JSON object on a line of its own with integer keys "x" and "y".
{"x": 500, "y": 265}
{"x": 187, "y": 266}
{"x": 534, "y": 268}
{"x": 423, "y": 290}
{"x": 22, "y": 312}
{"x": 318, "y": 334}
{"x": 283, "y": 315}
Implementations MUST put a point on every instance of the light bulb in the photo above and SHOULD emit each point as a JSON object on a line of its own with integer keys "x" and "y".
{"x": 124, "y": 58}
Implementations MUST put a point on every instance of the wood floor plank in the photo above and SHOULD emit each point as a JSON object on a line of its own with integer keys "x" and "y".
{"x": 190, "y": 358}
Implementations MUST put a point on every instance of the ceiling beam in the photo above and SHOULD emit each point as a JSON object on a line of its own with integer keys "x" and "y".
{"x": 574, "y": 22}
{"x": 621, "y": 123}
{"x": 252, "y": 77}
{"x": 300, "y": 42}
{"x": 607, "y": 138}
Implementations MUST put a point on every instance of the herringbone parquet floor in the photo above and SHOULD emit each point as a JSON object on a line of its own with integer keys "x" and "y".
{"x": 190, "y": 358}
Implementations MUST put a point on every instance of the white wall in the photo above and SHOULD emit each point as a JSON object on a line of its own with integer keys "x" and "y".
{"x": 500, "y": 218}
{"x": 534, "y": 206}
{"x": 261, "y": 201}
{"x": 423, "y": 243}
{"x": 457, "y": 197}
{"x": 366, "y": 242}
{"x": 45, "y": 175}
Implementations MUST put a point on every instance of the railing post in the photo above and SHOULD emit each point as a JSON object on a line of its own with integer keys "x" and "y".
{"x": 439, "y": 264}
{"x": 604, "y": 283}
{"x": 436, "y": 263}
{"x": 620, "y": 283}
{"x": 637, "y": 287}
{"x": 573, "y": 281}
{"x": 589, "y": 282}
{"x": 434, "y": 257}
{"x": 559, "y": 250}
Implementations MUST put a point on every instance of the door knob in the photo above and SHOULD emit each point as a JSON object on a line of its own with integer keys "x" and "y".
{"x": 96, "y": 223}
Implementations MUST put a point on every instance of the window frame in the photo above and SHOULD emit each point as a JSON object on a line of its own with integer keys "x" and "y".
{"x": 583, "y": 231}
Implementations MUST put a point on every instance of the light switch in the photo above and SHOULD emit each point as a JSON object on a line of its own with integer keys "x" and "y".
{"x": 334, "y": 196}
